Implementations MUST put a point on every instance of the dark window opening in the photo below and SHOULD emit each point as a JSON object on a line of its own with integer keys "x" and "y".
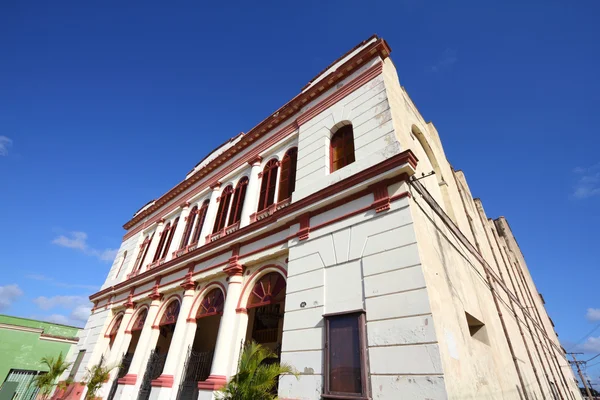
{"x": 267, "y": 185}
{"x": 238, "y": 201}
{"x": 287, "y": 181}
{"x": 224, "y": 201}
{"x": 342, "y": 148}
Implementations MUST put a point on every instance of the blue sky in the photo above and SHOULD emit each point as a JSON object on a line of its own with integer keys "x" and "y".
{"x": 105, "y": 106}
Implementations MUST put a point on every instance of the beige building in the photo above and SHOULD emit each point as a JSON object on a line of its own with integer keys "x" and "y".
{"x": 336, "y": 233}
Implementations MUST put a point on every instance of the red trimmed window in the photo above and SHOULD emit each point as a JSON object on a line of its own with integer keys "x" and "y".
{"x": 161, "y": 242}
{"x": 267, "y": 186}
{"x": 114, "y": 330}
{"x": 238, "y": 201}
{"x": 269, "y": 289}
{"x": 121, "y": 264}
{"x": 170, "y": 238}
{"x": 342, "y": 148}
{"x": 224, "y": 201}
{"x": 212, "y": 304}
{"x": 171, "y": 313}
{"x": 188, "y": 227}
{"x": 200, "y": 221}
{"x": 345, "y": 356}
{"x": 138, "y": 325}
{"x": 287, "y": 180}
{"x": 139, "y": 261}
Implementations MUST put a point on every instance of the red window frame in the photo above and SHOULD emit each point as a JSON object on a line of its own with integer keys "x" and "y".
{"x": 121, "y": 264}
{"x": 171, "y": 313}
{"x": 200, "y": 221}
{"x": 212, "y": 304}
{"x": 268, "y": 184}
{"x": 188, "y": 227}
{"x": 287, "y": 177}
{"x": 238, "y": 200}
{"x": 341, "y": 149}
{"x": 143, "y": 252}
{"x": 268, "y": 289}
{"x": 224, "y": 201}
{"x": 161, "y": 242}
{"x": 172, "y": 230}
{"x": 336, "y": 349}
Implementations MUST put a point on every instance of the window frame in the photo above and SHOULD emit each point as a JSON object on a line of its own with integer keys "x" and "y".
{"x": 237, "y": 204}
{"x": 200, "y": 220}
{"x": 344, "y": 132}
{"x": 269, "y": 173}
{"x": 143, "y": 253}
{"x": 223, "y": 209}
{"x": 169, "y": 240}
{"x": 288, "y": 180}
{"x": 364, "y": 360}
{"x": 187, "y": 233}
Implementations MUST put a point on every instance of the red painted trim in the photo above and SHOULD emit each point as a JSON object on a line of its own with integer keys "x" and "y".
{"x": 267, "y": 126}
{"x": 129, "y": 379}
{"x": 163, "y": 381}
{"x": 162, "y": 309}
{"x": 406, "y": 157}
{"x": 241, "y": 310}
{"x": 382, "y": 197}
{"x": 257, "y": 274}
{"x": 204, "y": 291}
{"x": 134, "y": 317}
{"x": 112, "y": 322}
{"x": 304, "y": 227}
{"x": 213, "y": 382}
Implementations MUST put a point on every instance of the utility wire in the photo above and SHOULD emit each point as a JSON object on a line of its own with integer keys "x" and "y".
{"x": 593, "y": 357}
{"x": 584, "y": 337}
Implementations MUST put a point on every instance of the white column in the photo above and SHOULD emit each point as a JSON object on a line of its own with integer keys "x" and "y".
{"x": 211, "y": 213}
{"x": 153, "y": 245}
{"x": 226, "y": 347}
{"x": 185, "y": 212}
{"x": 146, "y": 344}
{"x": 252, "y": 192}
{"x": 163, "y": 385}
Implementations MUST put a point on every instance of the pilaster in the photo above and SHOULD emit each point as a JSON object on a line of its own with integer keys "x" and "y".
{"x": 252, "y": 191}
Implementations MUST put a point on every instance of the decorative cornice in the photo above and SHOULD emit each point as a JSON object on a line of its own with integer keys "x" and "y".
{"x": 155, "y": 295}
{"x": 61, "y": 339}
{"x": 21, "y": 328}
{"x": 215, "y": 185}
{"x": 378, "y": 48}
{"x": 188, "y": 283}
{"x": 255, "y": 161}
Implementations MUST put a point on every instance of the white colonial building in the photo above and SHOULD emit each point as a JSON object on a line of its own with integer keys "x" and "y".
{"x": 336, "y": 233}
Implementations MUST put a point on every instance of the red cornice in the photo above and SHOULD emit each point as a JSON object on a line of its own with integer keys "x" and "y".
{"x": 406, "y": 157}
{"x": 378, "y": 48}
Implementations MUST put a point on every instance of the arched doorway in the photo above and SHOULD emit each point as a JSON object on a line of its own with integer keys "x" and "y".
{"x": 266, "y": 304}
{"x": 158, "y": 356}
{"x": 200, "y": 353}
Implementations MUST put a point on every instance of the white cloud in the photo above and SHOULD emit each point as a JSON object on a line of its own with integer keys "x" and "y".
{"x": 54, "y": 282}
{"x": 57, "y": 319}
{"x": 68, "y": 302}
{"x": 8, "y": 294}
{"x": 588, "y": 181}
{"x": 593, "y": 314}
{"x": 78, "y": 240}
{"x": 81, "y": 313}
{"x": 5, "y": 143}
{"x": 591, "y": 345}
{"x": 446, "y": 60}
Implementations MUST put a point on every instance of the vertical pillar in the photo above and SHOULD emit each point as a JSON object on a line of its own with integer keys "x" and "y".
{"x": 185, "y": 212}
{"x": 146, "y": 343}
{"x": 226, "y": 346}
{"x": 153, "y": 244}
{"x": 211, "y": 212}
{"x": 163, "y": 385}
{"x": 252, "y": 192}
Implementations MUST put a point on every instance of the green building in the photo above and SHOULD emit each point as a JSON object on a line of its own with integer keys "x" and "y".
{"x": 23, "y": 342}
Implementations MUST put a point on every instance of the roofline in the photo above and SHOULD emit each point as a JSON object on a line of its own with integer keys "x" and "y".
{"x": 292, "y": 107}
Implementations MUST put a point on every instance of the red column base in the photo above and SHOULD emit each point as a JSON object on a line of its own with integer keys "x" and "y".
{"x": 163, "y": 381}
{"x": 129, "y": 379}
{"x": 213, "y": 382}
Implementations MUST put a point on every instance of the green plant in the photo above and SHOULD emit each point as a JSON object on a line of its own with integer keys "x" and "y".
{"x": 56, "y": 367}
{"x": 256, "y": 377}
{"x": 96, "y": 377}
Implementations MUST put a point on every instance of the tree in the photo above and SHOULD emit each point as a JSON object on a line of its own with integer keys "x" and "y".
{"x": 256, "y": 376}
{"x": 95, "y": 378}
{"x": 56, "y": 367}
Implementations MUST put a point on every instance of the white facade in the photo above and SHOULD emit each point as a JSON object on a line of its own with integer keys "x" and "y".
{"x": 445, "y": 304}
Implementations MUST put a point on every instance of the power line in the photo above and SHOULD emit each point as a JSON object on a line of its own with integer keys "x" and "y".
{"x": 593, "y": 357}
{"x": 589, "y": 333}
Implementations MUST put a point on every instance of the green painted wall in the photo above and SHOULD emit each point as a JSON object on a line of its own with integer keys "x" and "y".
{"x": 23, "y": 350}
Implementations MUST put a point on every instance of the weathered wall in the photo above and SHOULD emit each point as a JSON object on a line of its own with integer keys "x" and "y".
{"x": 20, "y": 349}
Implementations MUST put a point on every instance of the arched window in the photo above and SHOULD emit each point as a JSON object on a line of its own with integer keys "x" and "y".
{"x": 121, "y": 264}
{"x": 268, "y": 289}
{"x": 267, "y": 186}
{"x": 238, "y": 201}
{"x": 114, "y": 330}
{"x": 188, "y": 227}
{"x": 139, "y": 261}
{"x": 170, "y": 238}
{"x": 171, "y": 313}
{"x": 138, "y": 325}
{"x": 224, "y": 201}
{"x": 287, "y": 180}
{"x": 212, "y": 304}
{"x": 161, "y": 242}
{"x": 342, "y": 148}
{"x": 200, "y": 221}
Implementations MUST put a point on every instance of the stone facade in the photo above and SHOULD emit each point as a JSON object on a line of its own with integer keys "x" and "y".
{"x": 379, "y": 233}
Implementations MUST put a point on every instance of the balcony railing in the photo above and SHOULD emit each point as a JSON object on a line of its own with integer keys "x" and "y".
{"x": 185, "y": 250}
{"x": 270, "y": 210}
{"x": 223, "y": 232}
{"x": 157, "y": 263}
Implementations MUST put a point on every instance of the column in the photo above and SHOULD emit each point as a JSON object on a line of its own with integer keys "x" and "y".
{"x": 211, "y": 213}
{"x": 226, "y": 346}
{"x": 119, "y": 347}
{"x": 185, "y": 213}
{"x": 154, "y": 244}
{"x": 252, "y": 192}
{"x": 163, "y": 385}
{"x": 146, "y": 343}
